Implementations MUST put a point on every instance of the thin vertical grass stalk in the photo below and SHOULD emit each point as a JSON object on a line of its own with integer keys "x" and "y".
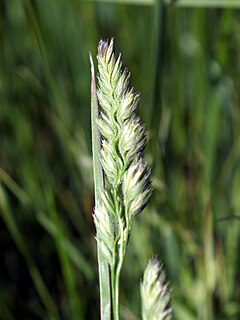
{"x": 155, "y": 293}
{"x": 126, "y": 175}
{"x": 103, "y": 267}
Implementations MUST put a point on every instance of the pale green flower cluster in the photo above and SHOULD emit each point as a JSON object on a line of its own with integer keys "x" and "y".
{"x": 155, "y": 293}
{"x": 125, "y": 188}
{"x": 123, "y": 139}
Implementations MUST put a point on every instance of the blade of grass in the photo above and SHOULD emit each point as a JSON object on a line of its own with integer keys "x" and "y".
{"x": 74, "y": 254}
{"x": 104, "y": 277}
{"x": 34, "y": 272}
{"x": 66, "y": 266}
{"x": 14, "y": 187}
{"x": 5, "y": 310}
{"x": 137, "y": 2}
{"x": 156, "y": 106}
{"x": 180, "y": 3}
{"x": 52, "y": 89}
{"x": 204, "y": 3}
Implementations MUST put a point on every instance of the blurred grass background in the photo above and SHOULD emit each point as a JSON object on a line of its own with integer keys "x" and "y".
{"x": 186, "y": 64}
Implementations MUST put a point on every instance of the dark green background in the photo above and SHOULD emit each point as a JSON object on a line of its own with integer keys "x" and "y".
{"x": 186, "y": 64}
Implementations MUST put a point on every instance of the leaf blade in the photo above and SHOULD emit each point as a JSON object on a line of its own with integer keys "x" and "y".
{"x": 104, "y": 281}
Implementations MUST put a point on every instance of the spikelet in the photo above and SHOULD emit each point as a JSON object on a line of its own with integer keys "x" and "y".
{"x": 105, "y": 222}
{"x": 136, "y": 186}
{"x": 155, "y": 293}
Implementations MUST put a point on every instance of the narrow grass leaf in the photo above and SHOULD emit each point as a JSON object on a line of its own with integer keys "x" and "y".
{"x": 104, "y": 281}
{"x": 66, "y": 266}
{"x": 205, "y": 3}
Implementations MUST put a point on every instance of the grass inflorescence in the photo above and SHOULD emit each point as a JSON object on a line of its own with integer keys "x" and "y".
{"x": 127, "y": 177}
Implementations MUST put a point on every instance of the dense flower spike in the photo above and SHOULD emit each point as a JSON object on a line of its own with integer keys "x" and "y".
{"x": 155, "y": 293}
{"x": 127, "y": 178}
{"x": 123, "y": 136}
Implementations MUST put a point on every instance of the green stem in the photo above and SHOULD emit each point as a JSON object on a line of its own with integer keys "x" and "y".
{"x": 180, "y": 3}
{"x": 113, "y": 289}
{"x": 116, "y": 310}
{"x": 103, "y": 267}
{"x": 204, "y": 3}
{"x": 116, "y": 274}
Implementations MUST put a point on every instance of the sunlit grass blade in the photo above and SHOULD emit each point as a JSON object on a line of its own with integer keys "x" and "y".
{"x": 14, "y": 187}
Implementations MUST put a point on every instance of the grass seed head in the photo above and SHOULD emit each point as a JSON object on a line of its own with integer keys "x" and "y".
{"x": 155, "y": 292}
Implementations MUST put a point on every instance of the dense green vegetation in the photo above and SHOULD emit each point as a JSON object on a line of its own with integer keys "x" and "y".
{"x": 186, "y": 64}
